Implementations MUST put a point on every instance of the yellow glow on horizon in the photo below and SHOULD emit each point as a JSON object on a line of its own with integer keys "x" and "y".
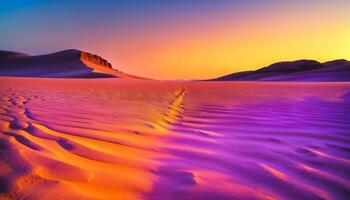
{"x": 217, "y": 48}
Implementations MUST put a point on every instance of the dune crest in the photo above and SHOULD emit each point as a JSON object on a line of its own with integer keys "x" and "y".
{"x": 71, "y": 63}
{"x": 296, "y": 71}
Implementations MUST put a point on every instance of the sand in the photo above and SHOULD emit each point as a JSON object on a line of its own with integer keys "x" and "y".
{"x": 296, "y": 71}
{"x": 139, "y": 139}
{"x": 71, "y": 63}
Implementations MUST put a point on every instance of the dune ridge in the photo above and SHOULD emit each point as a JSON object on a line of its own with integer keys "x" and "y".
{"x": 296, "y": 71}
{"x": 71, "y": 63}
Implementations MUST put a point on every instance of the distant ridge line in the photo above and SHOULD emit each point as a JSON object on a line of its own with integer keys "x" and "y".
{"x": 295, "y": 71}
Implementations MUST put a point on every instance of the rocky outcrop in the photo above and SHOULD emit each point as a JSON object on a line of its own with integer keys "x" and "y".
{"x": 95, "y": 59}
{"x": 70, "y": 63}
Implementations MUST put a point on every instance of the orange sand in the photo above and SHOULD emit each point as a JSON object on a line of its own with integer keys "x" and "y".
{"x": 140, "y": 139}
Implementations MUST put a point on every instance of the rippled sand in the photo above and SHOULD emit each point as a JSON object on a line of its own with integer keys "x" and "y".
{"x": 122, "y": 139}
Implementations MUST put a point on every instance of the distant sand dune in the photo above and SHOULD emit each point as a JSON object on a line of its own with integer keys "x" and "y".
{"x": 296, "y": 71}
{"x": 70, "y": 63}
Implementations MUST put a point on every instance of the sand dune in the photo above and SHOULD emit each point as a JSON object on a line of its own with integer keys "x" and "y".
{"x": 138, "y": 139}
{"x": 296, "y": 71}
{"x": 70, "y": 63}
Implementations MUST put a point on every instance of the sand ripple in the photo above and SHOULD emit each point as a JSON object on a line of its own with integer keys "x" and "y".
{"x": 118, "y": 139}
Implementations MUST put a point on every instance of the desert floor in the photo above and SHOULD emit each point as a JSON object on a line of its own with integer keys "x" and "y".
{"x": 139, "y": 139}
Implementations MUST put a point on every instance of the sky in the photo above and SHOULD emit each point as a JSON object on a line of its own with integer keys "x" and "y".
{"x": 181, "y": 39}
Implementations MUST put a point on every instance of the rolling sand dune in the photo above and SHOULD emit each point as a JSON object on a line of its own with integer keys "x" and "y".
{"x": 139, "y": 139}
{"x": 296, "y": 71}
{"x": 70, "y": 63}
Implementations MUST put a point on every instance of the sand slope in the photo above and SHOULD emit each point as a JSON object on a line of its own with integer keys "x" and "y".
{"x": 296, "y": 71}
{"x": 64, "y": 64}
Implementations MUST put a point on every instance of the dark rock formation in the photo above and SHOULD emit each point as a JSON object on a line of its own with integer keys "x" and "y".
{"x": 95, "y": 59}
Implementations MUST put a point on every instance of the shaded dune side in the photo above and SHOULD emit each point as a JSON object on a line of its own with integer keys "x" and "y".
{"x": 179, "y": 175}
{"x": 70, "y": 63}
{"x": 296, "y": 71}
{"x": 8, "y": 54}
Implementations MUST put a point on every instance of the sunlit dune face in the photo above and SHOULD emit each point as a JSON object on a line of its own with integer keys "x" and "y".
{"x": 80, "y": 154}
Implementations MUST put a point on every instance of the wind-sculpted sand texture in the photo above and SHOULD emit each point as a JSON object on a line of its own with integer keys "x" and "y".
{"x": 138, "y": 139}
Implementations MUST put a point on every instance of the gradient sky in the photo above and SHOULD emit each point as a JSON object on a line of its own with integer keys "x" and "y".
{"x": 181, "y": 39}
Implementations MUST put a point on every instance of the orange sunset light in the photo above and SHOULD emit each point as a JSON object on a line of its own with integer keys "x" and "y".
{"x": 186, "y": 40}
